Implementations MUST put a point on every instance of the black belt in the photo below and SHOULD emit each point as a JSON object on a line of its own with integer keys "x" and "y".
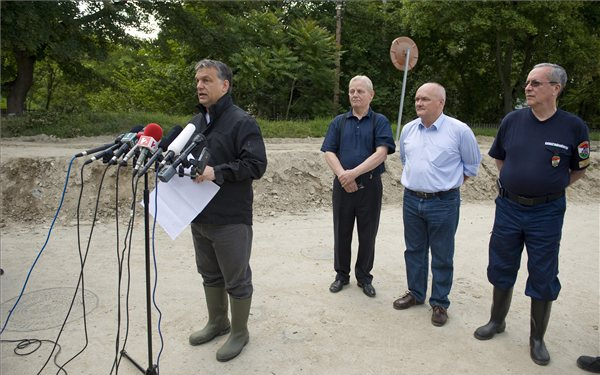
{"x": 424, "y": 195}
{"x": 530, "y": 201}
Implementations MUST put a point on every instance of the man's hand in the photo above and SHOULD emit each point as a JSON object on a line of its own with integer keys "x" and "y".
{"x": 351, "y": 187}
{"x": 348, "y": 180}
{"x": 207, "y": 175}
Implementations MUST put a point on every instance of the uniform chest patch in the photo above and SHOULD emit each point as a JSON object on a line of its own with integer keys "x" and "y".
{"x": 557, "y": 145}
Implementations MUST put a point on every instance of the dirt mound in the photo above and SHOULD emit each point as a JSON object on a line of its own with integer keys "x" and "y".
{"x": 33, "y": 172}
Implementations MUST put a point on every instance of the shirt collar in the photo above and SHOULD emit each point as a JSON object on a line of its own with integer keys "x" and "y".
{"x": 219, "y": 107}
{"x": 436, "y": 124}
{"x": 351, "y": 114}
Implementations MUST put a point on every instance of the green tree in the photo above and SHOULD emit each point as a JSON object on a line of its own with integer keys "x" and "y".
{"x": 283, "y": 65}
{"x": 64, "y": 32}
{"x": 484, "y": 50}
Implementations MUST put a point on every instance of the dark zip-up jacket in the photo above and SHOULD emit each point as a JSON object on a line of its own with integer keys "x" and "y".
{"x": 238, "y": 156}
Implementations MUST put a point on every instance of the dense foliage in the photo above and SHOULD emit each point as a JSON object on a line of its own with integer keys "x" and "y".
{"x": 283, "y": 54}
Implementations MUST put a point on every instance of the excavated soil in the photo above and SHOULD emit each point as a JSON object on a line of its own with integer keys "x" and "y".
{"x": 34, "y": 171}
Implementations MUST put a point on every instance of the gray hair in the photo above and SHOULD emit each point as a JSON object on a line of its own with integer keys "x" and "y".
{"x": 223, "y": 71}
{"x": 365, "y": 79}
{"x": 557, "y": 73}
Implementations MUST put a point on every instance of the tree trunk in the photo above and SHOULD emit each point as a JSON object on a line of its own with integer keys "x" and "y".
{"x": 15, "y": 101}
{"x": 50, "y": 86}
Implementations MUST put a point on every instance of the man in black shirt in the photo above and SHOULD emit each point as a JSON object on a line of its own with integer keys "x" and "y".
{"x": 222, "y": 232}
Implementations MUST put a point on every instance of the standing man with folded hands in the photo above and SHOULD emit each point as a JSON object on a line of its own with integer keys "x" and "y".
{"x": 439, "y": 153}
{"x": 355, "y": 146}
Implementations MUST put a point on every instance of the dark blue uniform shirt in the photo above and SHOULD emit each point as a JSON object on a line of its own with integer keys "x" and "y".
{"x": 538, "y": 155}
{"x": 354, "y": 140}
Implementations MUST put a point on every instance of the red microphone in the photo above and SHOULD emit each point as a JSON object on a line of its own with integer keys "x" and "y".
{"x": 150, "y": 131}
{"x": 148, "y": 144}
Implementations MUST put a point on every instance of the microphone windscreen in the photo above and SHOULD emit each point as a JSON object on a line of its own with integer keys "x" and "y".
{"x": 153, "y": 130}
{"x": 170, "y": 137}
{"x": 179, "y": 143}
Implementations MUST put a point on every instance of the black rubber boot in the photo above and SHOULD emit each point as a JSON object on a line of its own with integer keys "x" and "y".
{"x": 540, "y": 315}
{"x": 497, "y": 323}
{"x": 587, "y": 363}
{"x": 218, "y": 322}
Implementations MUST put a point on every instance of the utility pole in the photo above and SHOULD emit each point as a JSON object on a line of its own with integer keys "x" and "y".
{"x": 338, "y": 47}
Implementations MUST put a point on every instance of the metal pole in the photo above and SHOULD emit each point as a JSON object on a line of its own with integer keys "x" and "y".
{"x": 338, "y": 47}
{"x": 402, "y": 96}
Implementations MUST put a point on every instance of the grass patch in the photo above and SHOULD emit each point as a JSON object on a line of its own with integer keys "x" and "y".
{"x": 69, "y": 125}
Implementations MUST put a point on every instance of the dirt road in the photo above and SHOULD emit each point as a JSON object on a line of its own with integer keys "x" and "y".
{"x": 297, "y": 326}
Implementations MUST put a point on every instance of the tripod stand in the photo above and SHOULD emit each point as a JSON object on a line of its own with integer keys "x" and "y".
{"x": 152, "y": 368}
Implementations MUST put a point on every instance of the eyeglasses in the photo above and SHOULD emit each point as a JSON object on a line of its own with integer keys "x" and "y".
{"x": 535, "y": 83}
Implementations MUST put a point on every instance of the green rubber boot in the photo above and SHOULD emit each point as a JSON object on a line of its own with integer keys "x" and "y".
{"x": 239, "y": 337}
{"x": 218, "y": 323}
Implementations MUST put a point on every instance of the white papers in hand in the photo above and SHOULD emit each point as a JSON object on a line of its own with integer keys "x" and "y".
{"x": 179, "y": 201}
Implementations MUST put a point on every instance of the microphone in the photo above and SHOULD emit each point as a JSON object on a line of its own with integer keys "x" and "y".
{"x": 150, "y": 130}
{"x": 119, "y": 142}
{"x": 128, "y": 142}
{"x": 100, "y": 148}
{"x": 148, "y": 144}
{"x": 102, "y": 154}
{"x": 164, "y": 143}
{"x": 166, "y": 174}
{"x": 179, "y": 143}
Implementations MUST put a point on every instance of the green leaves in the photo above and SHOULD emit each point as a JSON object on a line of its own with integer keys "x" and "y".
{"x": 283, "y": 53}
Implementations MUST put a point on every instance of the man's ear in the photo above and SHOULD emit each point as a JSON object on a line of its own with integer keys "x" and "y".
{"x": 557, "y": 89}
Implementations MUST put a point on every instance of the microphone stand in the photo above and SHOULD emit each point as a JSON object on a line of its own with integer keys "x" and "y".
{"x": 152, "y": 368}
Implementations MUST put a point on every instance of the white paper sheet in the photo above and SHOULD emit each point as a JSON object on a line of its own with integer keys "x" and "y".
{"x": 179, "y": 201}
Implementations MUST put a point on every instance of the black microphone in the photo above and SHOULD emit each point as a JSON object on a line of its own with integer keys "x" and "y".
{"x": 103, "y": 154}
{"x": 164, "y": 143}
{"x": 166, "y": 174}
{"x": 100, "y": 148}
{"x": 129, "y": 140}
{"x": 122, "y": 140}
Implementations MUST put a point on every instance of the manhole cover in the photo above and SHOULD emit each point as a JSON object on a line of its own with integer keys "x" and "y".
{"x": 46, "y": 308}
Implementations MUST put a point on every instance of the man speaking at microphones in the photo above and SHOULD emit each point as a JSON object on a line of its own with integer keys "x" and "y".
{"x": 222, "y": 232}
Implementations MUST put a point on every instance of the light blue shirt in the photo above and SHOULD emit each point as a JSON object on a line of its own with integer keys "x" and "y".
{"x": 437, "y": 158}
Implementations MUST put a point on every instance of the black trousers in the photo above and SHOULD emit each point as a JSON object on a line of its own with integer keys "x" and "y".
{"x": 364, "y": 206}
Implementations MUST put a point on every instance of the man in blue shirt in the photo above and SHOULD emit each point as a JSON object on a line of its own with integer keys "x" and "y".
{"x": 539, "y": 151}
{"x": 355, "y": 146}
{"x": 439, "y": 153}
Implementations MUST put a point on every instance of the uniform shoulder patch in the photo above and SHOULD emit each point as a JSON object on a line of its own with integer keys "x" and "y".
{"x": 583, "y": 149}
{"x": 584, "y": 163}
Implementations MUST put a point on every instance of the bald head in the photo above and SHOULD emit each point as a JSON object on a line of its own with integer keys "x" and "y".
{"x": 429, "y": 102}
